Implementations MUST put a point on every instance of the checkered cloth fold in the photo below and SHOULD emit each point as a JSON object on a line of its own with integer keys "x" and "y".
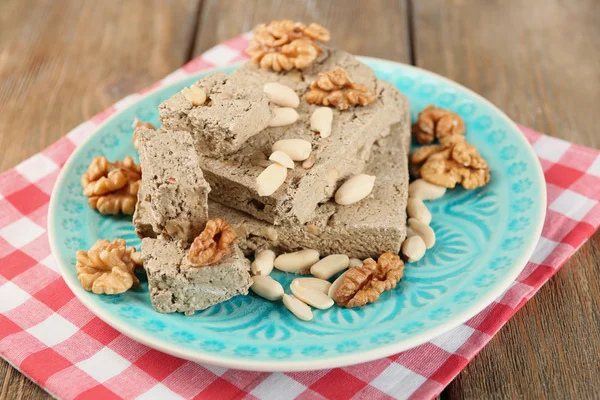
{"x": 51, "y": 337}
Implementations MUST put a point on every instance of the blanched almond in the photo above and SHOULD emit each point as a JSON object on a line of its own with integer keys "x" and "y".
{"x": 309, "y": 162}
{"x": 283, "y": 116}
{"x": 336, "y": 284}
{"x": 195, "y": 95}
{"x": 270, "y": 179}
{"x": 281, "y": 95}
{"x": 413, "y": 249}
{"x": 298, "y": 262}
{"x": 321, "y": 121}
{"x": 355, "y": 189}
{"x": 425, "y": 190}
{"x": 298, "y": 308}
{"x": 320, "y": 285}
{"x": 311, "y": 297}
{"x": 355, "y": 262}
{"x": 266, "y": 287}
{"x": 424, "y": 231}
{"x": 330, "y": 265}
{"x": 263, "y": 263}
{"x": 297, "y": 149}
{"x": 281, "y": 158}
{"x": 415, "y": 208}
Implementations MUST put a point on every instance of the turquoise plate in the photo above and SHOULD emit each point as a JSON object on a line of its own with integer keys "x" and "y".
{"x": 484, "y": 239}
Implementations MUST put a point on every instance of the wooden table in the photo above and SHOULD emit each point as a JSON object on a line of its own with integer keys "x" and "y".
{"x": 63, "y": 61}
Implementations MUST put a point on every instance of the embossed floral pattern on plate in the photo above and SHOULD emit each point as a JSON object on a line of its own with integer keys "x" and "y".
{"x": 483, "y": 237}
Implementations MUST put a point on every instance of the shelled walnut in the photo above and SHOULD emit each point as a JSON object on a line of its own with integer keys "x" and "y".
{"x": 334, "y": 88}
{"x": 456, "y": 162}
{"x": 284, "y": 45}
{"x": 112, "y": 187}
{"x": 364, "y": 284}
{"x": 108, "y": 267}
{"x": 212, "y": 244}
{"x": 437, "y": 123}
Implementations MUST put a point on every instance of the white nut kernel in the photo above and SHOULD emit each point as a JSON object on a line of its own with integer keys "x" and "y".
{"x": 418, "y": 210}
{"x": 281, "y": 95}
{"x": 266, "y": 287}
{"x": 311, "y": 297}
{"x": 425, "y": 190}
{"x": 268, "y": 232}
{"x": 336, "y": 284}
{"x": 297, "y": 149}
{"x": 355, "y": 189}
{"x": 283, "y": 116}
{"x": 309, "y": 162}
{"x": 263, "y": 263}
{"x": 321, "y": 121}
{"x": 283, "y": 159}
{"x": 270, "y": 179}
{"x": 195, "y": 95}
{"x": 425, "y": 231}
{"x": 298, "y": 308}
{"x": 355, "y": 262}
{"x": 413, "y": 249}
{"x": 298, "y": 262}
{"x": 314, "y": 283}
{"x": 330, "y": 265}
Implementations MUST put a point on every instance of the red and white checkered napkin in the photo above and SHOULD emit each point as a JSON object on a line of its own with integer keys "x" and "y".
{"x": 51, "y": 337}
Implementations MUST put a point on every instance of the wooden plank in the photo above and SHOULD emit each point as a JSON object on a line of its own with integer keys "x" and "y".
{"x": 538, "y": 61}
{"x": 353, "y": 23}
{"x": 63, "y": 61}
{"x": 14, "y": 385}
{"x": 550, "y": 348}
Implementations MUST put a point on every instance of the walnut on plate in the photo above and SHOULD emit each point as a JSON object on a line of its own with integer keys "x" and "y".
{"x": 334, "y": 88}
{"x": 364, "y": 284}
{"x": 212, "y": 244}
{"x": 108, "y": 267}
{"x": 437, "y": 123}
{"x": 112, "y": 187}
{"x": 455, "y": 162}
{"x": 285, "y": 45}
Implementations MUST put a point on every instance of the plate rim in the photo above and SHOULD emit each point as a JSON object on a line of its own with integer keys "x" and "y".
{"x": 288, "y": 365}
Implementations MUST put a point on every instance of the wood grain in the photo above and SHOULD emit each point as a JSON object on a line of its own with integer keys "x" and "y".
{"x": 14, "y": 385}
{"x": 538, "y": 61}
{"x": 63, "y": 61}
{"x": 353, "y": 23}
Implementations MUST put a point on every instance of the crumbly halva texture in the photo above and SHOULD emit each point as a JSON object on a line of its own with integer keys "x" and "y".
{"x": 176, "y": 286}
{"x": 337, "y": 157}
{"x": 172, "y": 200}
{"x": 368, "y": 228}
{"x": 234, "y": 111}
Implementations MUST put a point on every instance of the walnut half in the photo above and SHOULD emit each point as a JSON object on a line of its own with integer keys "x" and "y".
{"x": 112, "y": 187}
{"x": 364, "y": 284}
{"x": 107, "y": 267}
{"x": 437, "y": 123}
{"x": 212, "y": 244}
{"x": 334, "y": 88}
{"x": 455, "y": 162}
{"x": 285, "y": 45}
